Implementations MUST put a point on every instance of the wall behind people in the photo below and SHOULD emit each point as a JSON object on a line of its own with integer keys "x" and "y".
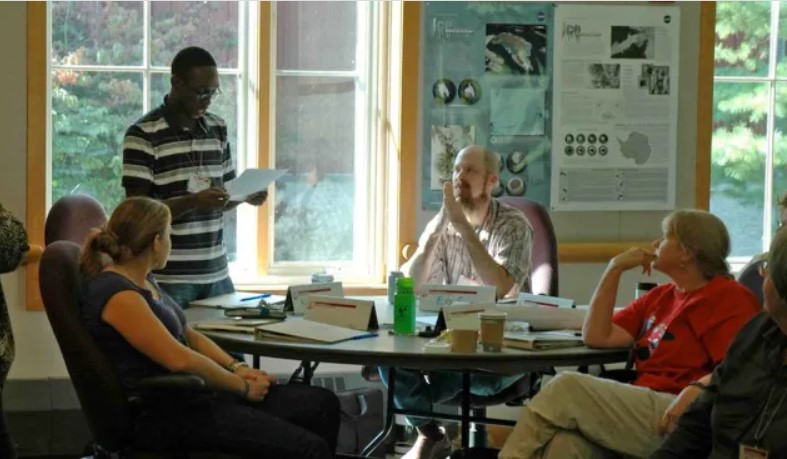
{"x": 38, "y": 356}
{"x": 579, "y": 279}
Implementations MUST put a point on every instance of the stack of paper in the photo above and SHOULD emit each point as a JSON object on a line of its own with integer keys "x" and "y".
{"x": 542, "y": 340}
{"x": 233, "y": 325}
{"x": 308, "y": 331}
{"x": 240, "y": 300}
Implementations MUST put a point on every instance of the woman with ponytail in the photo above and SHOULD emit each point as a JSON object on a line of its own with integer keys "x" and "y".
{"x": 678, "y": 333}
{"x": 144, "y": 333}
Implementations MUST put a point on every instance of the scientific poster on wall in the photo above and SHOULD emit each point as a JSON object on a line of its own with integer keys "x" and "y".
{"x": 487, "y": 80}
{"x": 615, "y": 107}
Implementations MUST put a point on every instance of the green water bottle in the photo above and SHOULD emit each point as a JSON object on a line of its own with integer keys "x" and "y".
{"x": 404, "y": 307}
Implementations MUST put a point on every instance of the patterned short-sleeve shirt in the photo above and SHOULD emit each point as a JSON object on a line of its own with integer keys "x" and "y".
{"x": 508, "y": 238}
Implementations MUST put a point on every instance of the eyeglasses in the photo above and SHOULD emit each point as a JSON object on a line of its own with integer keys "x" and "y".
{"x": 762, "y": 268}
{"x": 203, "y": 94}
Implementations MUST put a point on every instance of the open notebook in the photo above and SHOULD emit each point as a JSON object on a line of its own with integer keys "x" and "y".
{"x": 233, "y": 325}
{"x": 542, "y": 340}
{"x": 308, "y": 331}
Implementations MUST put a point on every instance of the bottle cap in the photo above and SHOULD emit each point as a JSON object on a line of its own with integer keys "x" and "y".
{"x": 404, "y": 285}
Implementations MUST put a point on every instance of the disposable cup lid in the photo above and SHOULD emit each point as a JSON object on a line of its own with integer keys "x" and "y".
{"x": 492, "y": 315}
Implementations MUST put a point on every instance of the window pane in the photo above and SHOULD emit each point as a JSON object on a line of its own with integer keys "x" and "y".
{"x": 224, "y": 105}
{"x": 779, "y": 150}
{"x": 306, "y": 42}
{"x": 738, "y": 162}
{"x": 210, "y": 25}
{"x": 90, "y": 114}
{"x": 315, "y": 141}
{"x": 97, "y": 33}
{"x": 742, "y": 38}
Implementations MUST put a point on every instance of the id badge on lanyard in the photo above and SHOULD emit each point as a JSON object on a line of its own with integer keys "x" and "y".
{"x": 751, "y": 452}
{"x": 198, "y": 183}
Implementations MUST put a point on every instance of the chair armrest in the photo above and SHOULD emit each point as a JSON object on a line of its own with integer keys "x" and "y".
{"x": 180, "y": 381}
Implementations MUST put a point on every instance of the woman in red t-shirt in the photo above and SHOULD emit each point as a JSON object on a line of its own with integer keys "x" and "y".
{"x": 679, "y": 333}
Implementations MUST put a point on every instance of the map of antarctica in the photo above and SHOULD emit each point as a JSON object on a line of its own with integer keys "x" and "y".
{"x": 636, "y": 147}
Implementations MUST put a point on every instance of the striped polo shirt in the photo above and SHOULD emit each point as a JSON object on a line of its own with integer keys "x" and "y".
{"x": 160, "y": 154}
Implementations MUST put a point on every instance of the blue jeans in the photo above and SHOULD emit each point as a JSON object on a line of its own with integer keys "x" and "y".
{"x": 413, "y": 392}
{"x": 184, "y": 294}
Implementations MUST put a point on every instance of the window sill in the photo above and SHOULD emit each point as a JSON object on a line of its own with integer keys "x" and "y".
{"x": 281, "y": 289}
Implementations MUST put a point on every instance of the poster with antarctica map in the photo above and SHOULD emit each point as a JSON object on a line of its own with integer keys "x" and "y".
{"x": 614, "y": 143}
{"x": 487, "y": 80}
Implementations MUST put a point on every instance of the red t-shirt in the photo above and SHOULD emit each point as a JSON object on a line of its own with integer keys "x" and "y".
{"x": 681, "y": 337}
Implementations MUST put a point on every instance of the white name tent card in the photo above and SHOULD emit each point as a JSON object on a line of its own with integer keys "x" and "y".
{"x": 342, "y": 312}
{"x": 462, "y": 317}
{"x": 439, "y": 296}
{"x": 251, "y": 181}
{"x": 529, "y": 299}
{"x": 545, "y": 317}
{"x": 297, "y": 295}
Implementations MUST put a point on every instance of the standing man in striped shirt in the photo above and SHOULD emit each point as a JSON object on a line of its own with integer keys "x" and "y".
{"x": 179, "y": 153}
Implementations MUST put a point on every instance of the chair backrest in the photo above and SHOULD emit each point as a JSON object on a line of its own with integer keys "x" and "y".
{"x": 72, "y": 217}
{"x": 751, "y": 278}
{"x": 103, "y": 402}
{"x": 544, "y": 274}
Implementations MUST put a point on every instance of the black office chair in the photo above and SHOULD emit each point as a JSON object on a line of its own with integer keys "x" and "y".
{"x": 751, "y": 278}
{"x": 107, "y": 409}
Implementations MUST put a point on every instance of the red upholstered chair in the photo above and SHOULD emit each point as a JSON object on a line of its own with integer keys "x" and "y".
{"x": 544, "y": 274}
{"x": 72, "y": 217}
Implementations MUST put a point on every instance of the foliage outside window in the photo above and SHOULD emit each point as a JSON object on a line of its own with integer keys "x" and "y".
{"x": 749, "y": 152}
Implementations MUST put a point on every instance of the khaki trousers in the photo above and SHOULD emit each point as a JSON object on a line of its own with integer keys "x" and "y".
{"x": 581, "y": 416}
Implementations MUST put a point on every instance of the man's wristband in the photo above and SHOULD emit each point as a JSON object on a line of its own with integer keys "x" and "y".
{"x": 246, "y": 388}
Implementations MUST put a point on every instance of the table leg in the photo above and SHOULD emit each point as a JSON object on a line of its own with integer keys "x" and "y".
{"x": 308, "y": 372}
{"x": 255, "y": 361}
{"x": 389, "y": 416}
{"x": 465, "y": 410}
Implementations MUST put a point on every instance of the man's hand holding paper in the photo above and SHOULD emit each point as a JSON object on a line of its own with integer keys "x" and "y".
{"x": 251, "y": 186}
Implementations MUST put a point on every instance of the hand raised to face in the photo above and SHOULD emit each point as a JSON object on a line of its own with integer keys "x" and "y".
{"x": 452, "y": 208}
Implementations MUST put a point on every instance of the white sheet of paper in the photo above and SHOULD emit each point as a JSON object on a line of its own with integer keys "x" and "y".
{"x": 251, "y": 181}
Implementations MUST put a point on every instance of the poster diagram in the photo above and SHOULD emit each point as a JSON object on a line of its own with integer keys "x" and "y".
{"x": 447, "y": 141}
{"x": 487, "y": 80}
{"x": 615, "y": 107}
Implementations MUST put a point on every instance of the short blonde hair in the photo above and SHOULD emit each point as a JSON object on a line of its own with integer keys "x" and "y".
{"x": 703, "y": 235}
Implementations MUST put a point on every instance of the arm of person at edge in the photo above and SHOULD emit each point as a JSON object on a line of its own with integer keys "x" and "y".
{"x": 128, "y": 313}
{"x": 598, "y": 330}
{"x": 692, "y": 433}
{"x": 490, "y": 272}
{"x": 678, "y": 406}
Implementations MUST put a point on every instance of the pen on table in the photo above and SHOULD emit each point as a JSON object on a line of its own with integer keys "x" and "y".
{"x": 368, "y": 335}
{"x": 256, "y": 297}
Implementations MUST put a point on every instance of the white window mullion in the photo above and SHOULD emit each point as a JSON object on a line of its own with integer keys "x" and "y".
{"x": 146, "y": 56}
{"x": 770, "y": 126}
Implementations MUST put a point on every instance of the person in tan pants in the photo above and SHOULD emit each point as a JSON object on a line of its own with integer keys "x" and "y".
{"x": 679, "y": 332}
